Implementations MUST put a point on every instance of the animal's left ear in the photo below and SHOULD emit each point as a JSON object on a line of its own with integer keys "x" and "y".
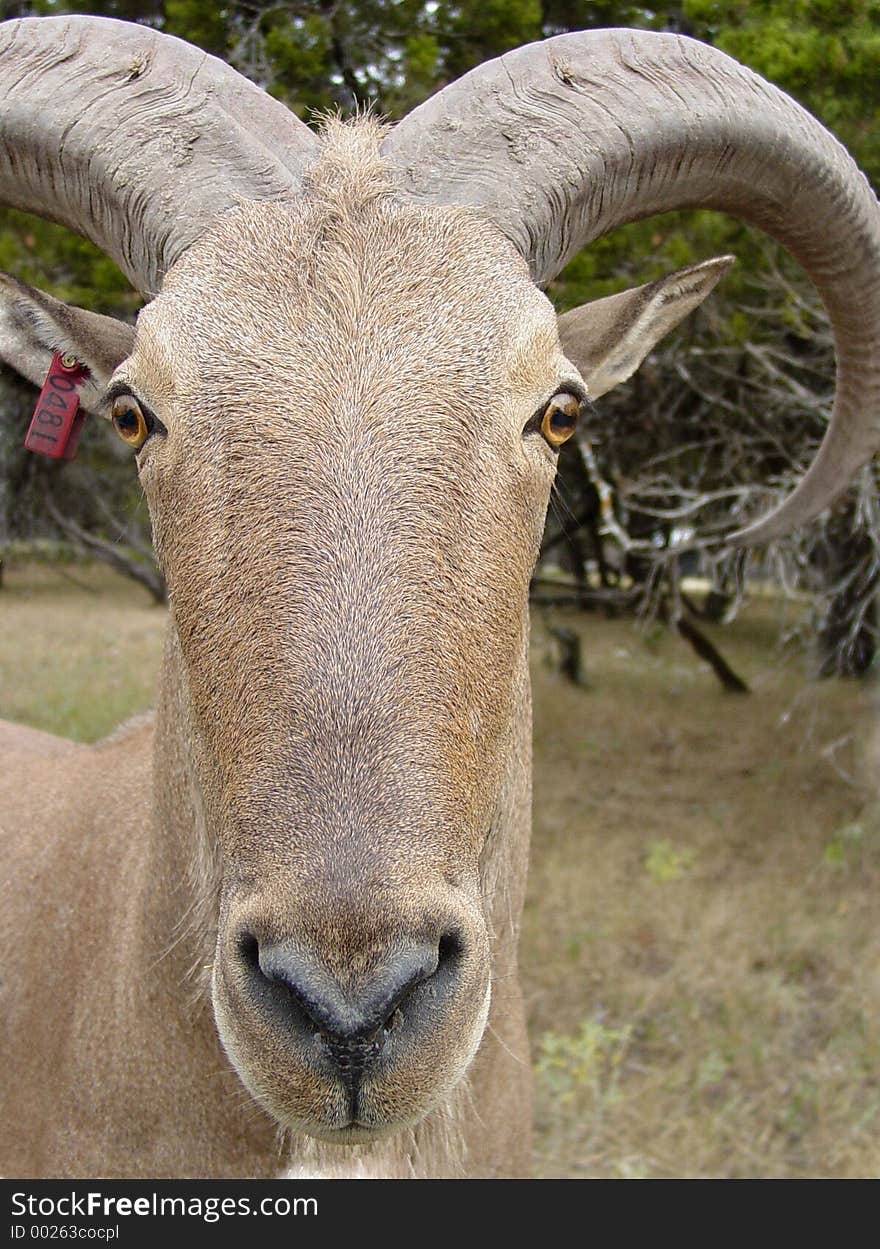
{"x": 34, "y": 326}
{"x": 609, "y": 338}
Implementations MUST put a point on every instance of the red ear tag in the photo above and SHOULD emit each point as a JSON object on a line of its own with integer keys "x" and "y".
{"x": 57, "y": 421}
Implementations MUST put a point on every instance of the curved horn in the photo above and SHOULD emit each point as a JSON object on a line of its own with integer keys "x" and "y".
{"x": 562, "y": 141}
{"x": 134, "y": 139}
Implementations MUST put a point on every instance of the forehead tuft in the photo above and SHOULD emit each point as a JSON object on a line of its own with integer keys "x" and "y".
{"x": 352, "y": 261}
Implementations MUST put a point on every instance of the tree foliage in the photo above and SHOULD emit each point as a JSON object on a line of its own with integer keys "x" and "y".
{"x": 317, "y": 55}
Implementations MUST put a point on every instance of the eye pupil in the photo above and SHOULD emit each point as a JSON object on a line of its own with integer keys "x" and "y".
{"x": 130, "y": 422}
{"x": 560, "y": 419}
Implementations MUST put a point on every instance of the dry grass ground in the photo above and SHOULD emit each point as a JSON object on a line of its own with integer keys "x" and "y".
{"x": 79, "y": 649}
{"x": 701, "y": 945}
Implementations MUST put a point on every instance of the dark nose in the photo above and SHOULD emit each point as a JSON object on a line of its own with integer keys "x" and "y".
{"x": 352, "y": 1023}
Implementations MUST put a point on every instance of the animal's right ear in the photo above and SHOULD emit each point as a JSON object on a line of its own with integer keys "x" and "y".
{"x": 34, "y": 326}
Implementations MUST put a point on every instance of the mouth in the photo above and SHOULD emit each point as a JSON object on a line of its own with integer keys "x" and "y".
{"x": 356, "y": 1132}
{"x": 347, "y": 1105}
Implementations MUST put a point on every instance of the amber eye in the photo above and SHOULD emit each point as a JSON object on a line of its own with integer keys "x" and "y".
{"x": 129, "y": 421}
{"x": 560, "y": 418}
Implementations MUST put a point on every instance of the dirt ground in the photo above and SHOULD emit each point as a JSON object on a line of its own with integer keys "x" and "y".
{"x": 701, "y": 948}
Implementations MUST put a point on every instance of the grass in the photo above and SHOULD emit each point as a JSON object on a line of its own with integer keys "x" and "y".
{"x": 701, "y": 950}
{"x": 79, "y": 649}
{"x": 701, "y": 947}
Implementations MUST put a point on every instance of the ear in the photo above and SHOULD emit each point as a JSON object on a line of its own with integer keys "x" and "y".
{"x": 608, "y": 339}
{"x": 33, "y": 326}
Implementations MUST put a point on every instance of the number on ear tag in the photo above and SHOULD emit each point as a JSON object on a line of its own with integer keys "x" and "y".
{"x": 57, "y": 421}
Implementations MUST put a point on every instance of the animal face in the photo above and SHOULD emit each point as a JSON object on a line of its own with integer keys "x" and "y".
{"x": 347, "y": 480}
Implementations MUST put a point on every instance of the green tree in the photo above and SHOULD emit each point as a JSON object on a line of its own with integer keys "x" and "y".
{"x": 321, "y": 54}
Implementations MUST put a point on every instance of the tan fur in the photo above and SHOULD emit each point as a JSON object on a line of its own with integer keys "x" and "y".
{"x": 348, "y": 511}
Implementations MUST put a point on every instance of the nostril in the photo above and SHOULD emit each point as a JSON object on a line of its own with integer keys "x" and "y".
{"x": 450, "y": 949}
{"x": 277, "y": 975}
{"x": 450, "y": 952}
{"x": 249, "y": 950}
